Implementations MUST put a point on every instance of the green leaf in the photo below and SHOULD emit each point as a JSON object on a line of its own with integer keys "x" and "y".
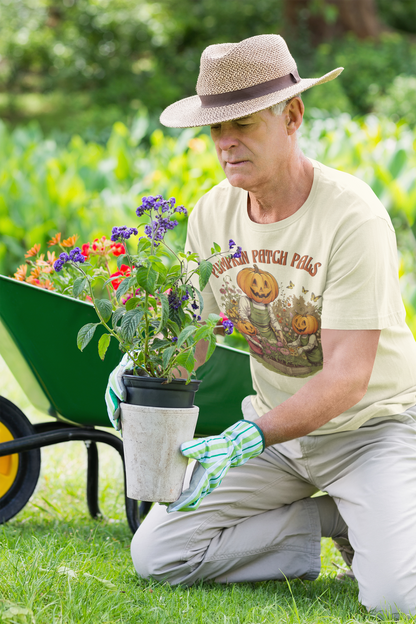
{"x": 167, "y": 355}
{"x": 143, "y": 244}
{"x": 80, "y": 284}
{"x": 132, "y": 303}
{"x": 118, "y": 314}
{"x": 187, "y": 360}
{"x": 205, "y": 270}
{"x": 103, "y": 344}
{"x": 213, "y": 318}
{"x": 105, "y": 308}
{"x": 203, "y": 333}
{"x": 85, "y": 334}
{"x": 217, "y": 248}
{"x": 158, "y": 344}
{"x": 157, "y": 264}
{"x": 124, "y": 259}
{"x": 173, "y": 273}
{"x": 211, "y": 347}
{"x": 192, "y": 257}
{"x": 110, "y": 279}
{"x": 130, "y": 322}
{"x": 185, "y": 334}
{"x": 146, "y": 278}
{"x": 123, "y": 287}
{"x": 200, "y": 301}
{"x": 165, "y": 311}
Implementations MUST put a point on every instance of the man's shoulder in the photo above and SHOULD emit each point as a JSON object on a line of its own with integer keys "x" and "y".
{"x": 349, "y": 190}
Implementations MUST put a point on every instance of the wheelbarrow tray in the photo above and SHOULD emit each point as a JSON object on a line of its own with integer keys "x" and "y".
{"x": 38, "y": 331}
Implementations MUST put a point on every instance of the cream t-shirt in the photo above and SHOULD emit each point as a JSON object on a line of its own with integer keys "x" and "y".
{"x": 332, "y": 265}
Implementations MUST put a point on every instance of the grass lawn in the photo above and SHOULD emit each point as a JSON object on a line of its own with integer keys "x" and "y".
{"x": 59, "y": 566}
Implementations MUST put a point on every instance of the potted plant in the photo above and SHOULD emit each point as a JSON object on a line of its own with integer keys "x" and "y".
{"x": 153, "y": 308}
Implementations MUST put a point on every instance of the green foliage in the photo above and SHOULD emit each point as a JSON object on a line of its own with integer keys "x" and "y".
{"x": 399, "y": 102}
{"x": 370, "y": 68}
{"x": 108, "y": 59}
{"x": 85, "y": 188}
{"x": 400, "y": 14}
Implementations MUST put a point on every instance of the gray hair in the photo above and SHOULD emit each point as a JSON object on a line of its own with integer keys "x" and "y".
{"x": 277, "y": 109}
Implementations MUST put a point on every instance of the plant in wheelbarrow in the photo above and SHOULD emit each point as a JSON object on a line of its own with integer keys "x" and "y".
{"x": 154, "y": 313}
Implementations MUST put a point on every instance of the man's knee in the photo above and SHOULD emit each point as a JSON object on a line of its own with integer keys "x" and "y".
{"x": 389, "y": 602}
{"x": 153, "y": 559}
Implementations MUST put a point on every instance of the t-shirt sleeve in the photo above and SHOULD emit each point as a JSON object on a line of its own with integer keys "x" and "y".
{"x": 362, "y": 289}
{"x": 192, "y": 244}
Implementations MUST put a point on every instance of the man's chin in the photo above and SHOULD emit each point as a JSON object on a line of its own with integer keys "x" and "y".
{"x": 238, "y": 181}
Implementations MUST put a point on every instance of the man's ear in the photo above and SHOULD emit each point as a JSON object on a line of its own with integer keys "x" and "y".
{"x": 294, "y": 114}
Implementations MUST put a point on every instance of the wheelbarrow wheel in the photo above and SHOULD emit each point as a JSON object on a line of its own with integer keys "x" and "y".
{"x": 19, "y": 473}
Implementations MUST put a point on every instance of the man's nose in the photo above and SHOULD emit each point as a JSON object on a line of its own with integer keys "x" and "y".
{"x": 227, "y": 139}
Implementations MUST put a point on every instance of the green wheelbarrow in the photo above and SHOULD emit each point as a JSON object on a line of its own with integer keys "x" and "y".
{"x": 38, "y": 330}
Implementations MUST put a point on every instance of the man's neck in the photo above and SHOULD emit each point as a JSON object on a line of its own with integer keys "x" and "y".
{"x": 285, "y": 196}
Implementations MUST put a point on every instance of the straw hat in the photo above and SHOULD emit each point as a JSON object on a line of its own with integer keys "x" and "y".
{"x": 237, "y": 79}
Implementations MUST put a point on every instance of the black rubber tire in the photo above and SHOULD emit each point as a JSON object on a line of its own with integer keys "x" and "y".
{"x": 28, "y": 470}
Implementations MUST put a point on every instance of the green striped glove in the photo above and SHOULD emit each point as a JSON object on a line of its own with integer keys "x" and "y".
{"x": 115, "y": 392}
{"x": 215, "y": 456}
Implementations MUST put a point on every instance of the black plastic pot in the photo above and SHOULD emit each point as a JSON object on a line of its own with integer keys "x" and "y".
{"x": 154, "y": 392}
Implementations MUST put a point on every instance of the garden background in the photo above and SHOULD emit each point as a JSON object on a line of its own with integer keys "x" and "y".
{"x": 82, "y": 84}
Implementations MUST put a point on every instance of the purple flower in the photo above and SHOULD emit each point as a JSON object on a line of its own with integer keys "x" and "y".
{"x": 231, "y": 243}
{"x": 237, "y": 254}
{"x": 228, "y": 326}
{"x": 122, "y": 233}
{"x": 76, "y": 256}
{"x": 174, "y": 339}
{"x": 161, "y": 212}
{"x": 63, "y": 259}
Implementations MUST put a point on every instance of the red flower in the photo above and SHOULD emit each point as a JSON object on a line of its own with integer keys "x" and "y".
{"x": 123, "y": 273}
{"x": 118, "y": 249}
{"x": 85, "y": 250}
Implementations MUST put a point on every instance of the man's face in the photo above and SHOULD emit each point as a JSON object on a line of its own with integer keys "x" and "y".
{"x": 252, "y": 149}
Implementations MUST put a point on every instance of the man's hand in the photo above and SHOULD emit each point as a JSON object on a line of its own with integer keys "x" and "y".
{"x": 215, "y": 455}
{"x": 116, "y": 391}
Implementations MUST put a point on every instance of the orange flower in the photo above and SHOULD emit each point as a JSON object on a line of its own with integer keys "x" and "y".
{"x": 33, "y": 280}
{"x": 70, "y": 242}
{"x": 47, "y": 285}
{"x": 33, "y": 252}
{"x": 20, "y": 274}
{"x": 51, "y": 257}
{"x": 55, "y": 240}
{"x": 36, "y": 272}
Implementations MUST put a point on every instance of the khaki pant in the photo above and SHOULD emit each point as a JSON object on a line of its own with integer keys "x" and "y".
{"x": 261, "y": 523}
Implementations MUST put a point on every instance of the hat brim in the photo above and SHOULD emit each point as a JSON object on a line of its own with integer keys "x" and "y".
{"x": 188, "y": 113}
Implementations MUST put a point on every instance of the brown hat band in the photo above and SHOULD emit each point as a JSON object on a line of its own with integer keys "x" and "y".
{"x": 250, "y": 93}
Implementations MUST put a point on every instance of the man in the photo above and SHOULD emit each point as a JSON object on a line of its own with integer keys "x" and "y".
{"x": 318, "y": 262}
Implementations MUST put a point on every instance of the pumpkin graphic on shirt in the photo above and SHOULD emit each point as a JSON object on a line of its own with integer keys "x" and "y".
{"x": 261, "y": 289}
{"x": 280, "y": 323}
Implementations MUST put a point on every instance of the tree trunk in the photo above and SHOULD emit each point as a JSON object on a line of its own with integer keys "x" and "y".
{"x": 326, "y": 19}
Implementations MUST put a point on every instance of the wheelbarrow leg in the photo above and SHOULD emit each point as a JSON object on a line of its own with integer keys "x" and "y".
{"x": 144, "y": 508}
{"x": 92, "y": 479}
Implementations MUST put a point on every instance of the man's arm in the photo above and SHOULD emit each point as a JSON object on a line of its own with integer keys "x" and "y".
{"x": 348, "y": 357}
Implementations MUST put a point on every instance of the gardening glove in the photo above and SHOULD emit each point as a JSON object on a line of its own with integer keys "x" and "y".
{"x": 215, "y": 455}
{"x": 115, "y": 392}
